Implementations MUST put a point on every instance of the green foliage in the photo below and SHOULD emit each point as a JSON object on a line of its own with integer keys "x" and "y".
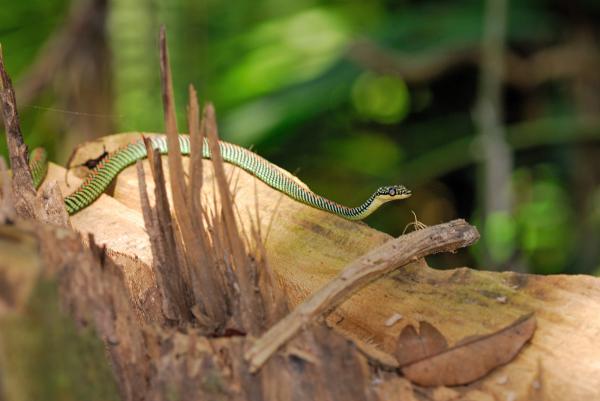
{"x": 284, "y": 52}
{"x": 283, "y": 79}
{"x": 545, "y": 220}
{"x": 500, "y": 236}
{"x": 384, "y": 99}
{"x": 540, "y": 232}
{"x": 24, "y": 28}
{"x": 379, "y": 154}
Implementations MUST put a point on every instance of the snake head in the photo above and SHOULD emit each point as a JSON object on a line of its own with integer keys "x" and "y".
{"x": 393, "y": 192}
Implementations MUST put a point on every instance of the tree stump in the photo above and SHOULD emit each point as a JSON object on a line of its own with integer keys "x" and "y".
{"x": 307, "y": 248}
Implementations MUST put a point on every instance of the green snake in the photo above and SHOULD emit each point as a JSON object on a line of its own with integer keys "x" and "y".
{"x": 104, "y": 172}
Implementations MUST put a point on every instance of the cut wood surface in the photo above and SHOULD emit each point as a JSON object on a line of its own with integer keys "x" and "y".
{"x": 308, "y": 247}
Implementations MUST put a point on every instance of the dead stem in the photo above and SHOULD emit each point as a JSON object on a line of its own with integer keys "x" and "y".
{"x": 375, "y": 264}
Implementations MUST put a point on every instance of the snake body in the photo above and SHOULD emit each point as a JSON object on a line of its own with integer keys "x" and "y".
{"x": 102, "y": 175}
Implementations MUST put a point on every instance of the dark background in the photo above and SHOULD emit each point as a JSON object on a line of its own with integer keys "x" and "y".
{"x": 500, "y": 129}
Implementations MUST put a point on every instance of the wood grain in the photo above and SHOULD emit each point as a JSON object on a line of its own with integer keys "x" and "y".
{"x": 308, "y": 247}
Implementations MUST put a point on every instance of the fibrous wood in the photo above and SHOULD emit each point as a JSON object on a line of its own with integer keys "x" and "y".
{"x": 22, "y": 183}
{"x": 307, "y": 248}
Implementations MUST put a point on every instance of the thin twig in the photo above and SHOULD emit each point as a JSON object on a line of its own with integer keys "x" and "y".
{"x": 196, "y": 167}
{"x": 178, "y": 188}
{"x": 415, "y": 224}
{"x": 393, "y": 254}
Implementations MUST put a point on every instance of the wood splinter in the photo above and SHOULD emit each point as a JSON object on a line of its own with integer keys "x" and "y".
{"x": 22, "y": 182}
{"x": 393, "y": 254}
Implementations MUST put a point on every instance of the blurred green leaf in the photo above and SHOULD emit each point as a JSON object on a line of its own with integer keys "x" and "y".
{"x": 285, "y": 51}
{"x": 381, "y": 98}
{"x": 256, "y": 120}
{"x": 367, "y": 153}
{"x": 500, "y": 236}
{"x": 545, "y": 221}
{"x": 280, "y": 78}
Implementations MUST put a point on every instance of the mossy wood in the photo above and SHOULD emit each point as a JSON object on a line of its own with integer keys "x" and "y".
{"x": 46, "y": 352}
{"x": 308, "y": 247}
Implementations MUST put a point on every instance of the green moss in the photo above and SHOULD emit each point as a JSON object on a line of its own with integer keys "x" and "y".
{"x": 47, "y": 358}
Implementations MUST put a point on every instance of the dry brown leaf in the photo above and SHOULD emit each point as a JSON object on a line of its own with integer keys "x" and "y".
{"x": 413, "y": 346}
{"x": 472, "y": 359}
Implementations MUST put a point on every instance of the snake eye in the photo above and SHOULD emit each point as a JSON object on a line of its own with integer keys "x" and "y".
{"x": 392, "y": 192}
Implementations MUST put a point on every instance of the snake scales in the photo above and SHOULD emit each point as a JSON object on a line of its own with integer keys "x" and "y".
{"x": 102, "y": 175}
